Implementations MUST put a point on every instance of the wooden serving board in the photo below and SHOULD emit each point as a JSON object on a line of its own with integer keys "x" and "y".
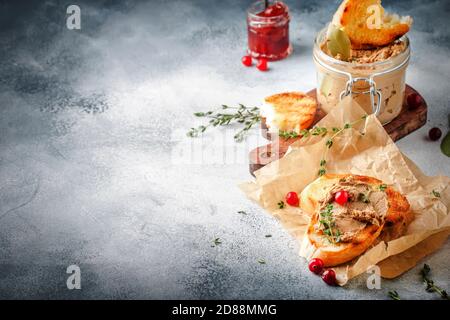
{"x": 409, "y": 120}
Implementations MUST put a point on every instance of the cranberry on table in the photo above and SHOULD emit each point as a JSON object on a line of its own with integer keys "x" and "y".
{"x": 414, "y": 101}
{"x": 329, "y": 277}
{"x": 247, "y": 61}
{"x": 341, "y": 197}
{"x": 262, "y": 64}
{"x": 292, "y": 199}
{"x": 316, "y": 265}
{"x": 435, "y": 134}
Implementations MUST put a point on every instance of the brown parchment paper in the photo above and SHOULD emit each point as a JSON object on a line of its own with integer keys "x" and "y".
{"x": 365, "y": 149}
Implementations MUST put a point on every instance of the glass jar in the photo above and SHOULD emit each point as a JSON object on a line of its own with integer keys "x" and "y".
{"x": 268, "y": 30}
{"x": 378, "y": 87}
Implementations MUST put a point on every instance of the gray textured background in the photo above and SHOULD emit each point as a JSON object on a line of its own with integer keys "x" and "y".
{"x": 90, "y": 119}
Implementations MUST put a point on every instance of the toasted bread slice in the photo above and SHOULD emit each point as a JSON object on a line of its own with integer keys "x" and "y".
{"x": 356, "y": 17}
{"x": 397, "y": 216}
{"x": 289, "y": 111}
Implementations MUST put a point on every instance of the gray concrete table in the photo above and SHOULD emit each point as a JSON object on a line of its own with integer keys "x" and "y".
{"x": 95, "y": 168}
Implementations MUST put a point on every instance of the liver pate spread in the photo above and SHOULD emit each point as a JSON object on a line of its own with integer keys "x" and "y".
{"x": 372, "y": 55}
{"x": 367, "y": 205}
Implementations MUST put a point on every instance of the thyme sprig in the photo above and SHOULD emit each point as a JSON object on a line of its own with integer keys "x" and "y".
{"x": 394, "y": 295}
{"x": 248, "y": 116}
{"x": 288, "y": 134}
{"x": 431, "y": 287}
{"x": 330, "y": 141}
{"x": 328, "y": 224}
{"x": 323, "y": 132}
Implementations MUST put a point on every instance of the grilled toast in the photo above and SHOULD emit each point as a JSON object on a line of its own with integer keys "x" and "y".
{"x": 289, "y": 111}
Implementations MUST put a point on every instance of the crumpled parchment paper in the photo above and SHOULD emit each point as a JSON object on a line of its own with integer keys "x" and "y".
{"x": 365, "y": 149}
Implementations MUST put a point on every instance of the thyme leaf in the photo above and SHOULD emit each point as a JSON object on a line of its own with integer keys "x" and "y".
{"x": 436, "y": 193}
{"x": 328, "y": 224}
{"x": 217, "y": 241}
{"x": 394, "y": 295}
{"x": 363, "y": 198}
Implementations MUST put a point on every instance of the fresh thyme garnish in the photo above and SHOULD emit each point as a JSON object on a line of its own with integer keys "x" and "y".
{"x": 320, "y": 131}
{"x": 322, "y": 169}
{"x": 382, "y": 187}
{"x": 436, "y": 194}
{"x": 328, "y": 225}
{"x": 288, "y": 134}
{"x": 363, "y": 198}
{"x": 216, "y": 242}
{"x": 262, "y": 261}
{"x": 316, "y": 131}
{"x": 431, "y": 287}
{"x": 243, "y": 115}
{"x": 330, "y": 141}
{"x": 394, "y": 295}
{"x": 242, "y": 212}
{"x": 281, "y": 204}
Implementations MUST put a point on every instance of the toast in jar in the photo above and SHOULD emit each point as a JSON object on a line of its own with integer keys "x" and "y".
{"x": 357, "y": 18}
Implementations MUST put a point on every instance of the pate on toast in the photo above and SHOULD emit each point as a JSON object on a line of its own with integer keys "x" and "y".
{"x": 340, "y": 232}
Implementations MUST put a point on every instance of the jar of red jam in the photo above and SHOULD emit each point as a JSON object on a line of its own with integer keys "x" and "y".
{"x": 268, "y": 30}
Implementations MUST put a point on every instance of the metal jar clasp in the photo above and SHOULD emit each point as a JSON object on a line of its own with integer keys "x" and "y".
{"x": 373, "y": 92}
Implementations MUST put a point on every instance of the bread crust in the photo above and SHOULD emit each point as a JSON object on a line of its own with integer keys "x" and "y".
{"x": 398, "y": 217}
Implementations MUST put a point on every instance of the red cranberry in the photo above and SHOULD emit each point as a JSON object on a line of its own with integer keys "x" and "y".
{"x": 262, "y": 64}
{"x": 329, "y": 276}
{"x": 341, "y": 197}
{"x": 435, "y": 134}
{"x": 247, "y": 61}
{"x": 414, "y": 101}
{"x": 292, "y": 199}
{"x": 316, "y": 265}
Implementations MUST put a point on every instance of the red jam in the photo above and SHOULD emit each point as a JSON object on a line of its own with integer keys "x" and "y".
{"x": 268, "y": 30}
